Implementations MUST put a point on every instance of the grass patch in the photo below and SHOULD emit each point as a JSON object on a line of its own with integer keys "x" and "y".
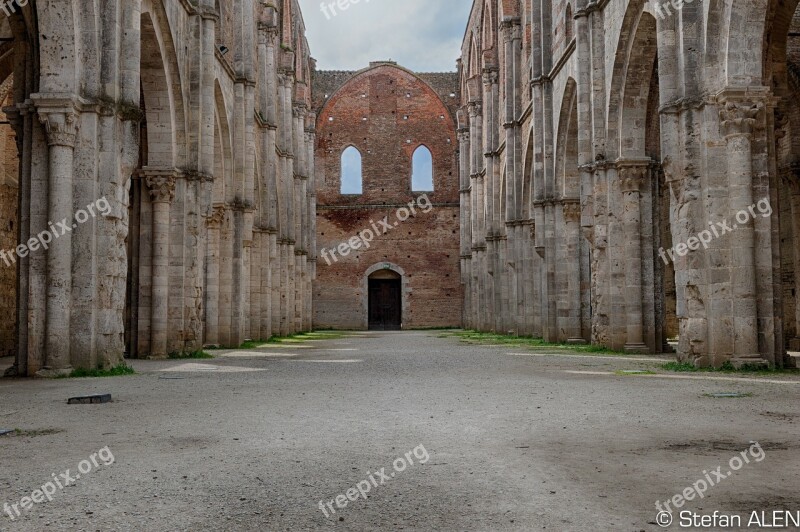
{"x": 193, "y": 355}
{"x": 634, "y": 372}
{"x": 688, "y": 367}
{"x": 295, "y": 339}
{"x": 252, "y": 344}
{"x": 117, "y": 371}
{"x": 475, "y": 337}
{"x": 307, "y": 337}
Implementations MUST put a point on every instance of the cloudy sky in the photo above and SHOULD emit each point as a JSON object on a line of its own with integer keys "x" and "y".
{"x": 421, "y": 35}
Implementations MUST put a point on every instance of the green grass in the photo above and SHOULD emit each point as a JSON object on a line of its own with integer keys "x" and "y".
{"x": 252, "y": 344}
{"x": 295, "y": 339}
{"x": 193, "y": 355}
{"x": 634, "y": 373}
{"x": 688, "y": 367}
{"x": 308, "y": 336}
{"x": 117, "y": 371}
{"x": 475, "y": 337}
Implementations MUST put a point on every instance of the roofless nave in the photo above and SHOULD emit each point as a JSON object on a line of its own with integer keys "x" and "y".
{"x": 624, "y": 176}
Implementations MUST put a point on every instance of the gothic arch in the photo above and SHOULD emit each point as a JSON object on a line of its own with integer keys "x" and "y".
{"x": 527, "y": 178}
{"x": 567, "y": 176}
{"x": 162, "y": 89}
{"x": 635, "y": 59}
{"x": 223, "y": 151}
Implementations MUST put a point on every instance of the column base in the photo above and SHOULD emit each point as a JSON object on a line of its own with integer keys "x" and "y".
{"x": 636, "y": 349}
{"x": 792, "y": 362}
{"x": 740, "y": 362}
{"x": 576, "y": 341}
{"x": 53, "y": 373}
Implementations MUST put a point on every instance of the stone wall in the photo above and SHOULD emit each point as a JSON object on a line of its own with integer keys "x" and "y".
{"x": 387, "y": 112}
{"x": 592, "y": 143}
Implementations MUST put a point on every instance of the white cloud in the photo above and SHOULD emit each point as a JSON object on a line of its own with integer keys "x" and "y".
{"x": 422, "y": 35}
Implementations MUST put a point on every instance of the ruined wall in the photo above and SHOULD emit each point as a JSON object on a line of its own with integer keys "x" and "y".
{"x": 386, "y": 112}
{"x": 592, "y": 143}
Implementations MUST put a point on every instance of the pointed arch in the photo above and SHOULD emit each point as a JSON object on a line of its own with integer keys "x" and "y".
{"x": 223, "y": 151}
{"x": 488, "y": 31}
{"x": 635, "y": 60}
{"x": 527, "y": 178}
{"x": 162, "y": 88}
{"x": 567, "y": 175}
{"x": 568, "y": 31}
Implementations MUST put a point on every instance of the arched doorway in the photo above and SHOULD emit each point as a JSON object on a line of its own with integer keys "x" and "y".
{"x": 385, "y": 301}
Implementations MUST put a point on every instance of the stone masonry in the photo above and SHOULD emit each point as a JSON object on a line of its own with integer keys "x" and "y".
{"x": 597, "y": 136}
{"x": 196, "y": 127}
{"x": 580, "y": 151}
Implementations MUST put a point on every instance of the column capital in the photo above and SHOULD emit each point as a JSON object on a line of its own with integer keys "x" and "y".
{"x": 217, "y": 216}
{"x": 631, "y": 177}
{"x": 475, "y": 109}
{"x": 161, "y": 187}
{"x": 738, "y": 118}
{"x": 572, "y": 209}
{"x": 60, "y": 125}
{"x": 490, "y": 76}
{"x": 299, "y": 110}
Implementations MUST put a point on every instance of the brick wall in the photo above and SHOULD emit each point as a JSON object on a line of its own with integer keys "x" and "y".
{"x": 387, "y": 113}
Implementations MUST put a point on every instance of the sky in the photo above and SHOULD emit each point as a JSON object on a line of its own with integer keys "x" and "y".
{"x": 421, "y": 35}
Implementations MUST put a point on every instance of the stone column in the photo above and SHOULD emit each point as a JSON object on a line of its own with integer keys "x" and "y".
{"x": 476, "y": 209}
{"x": 630, "y": 181}
{"x": 162, "y": 192}
{"x": 738, "y": 118}
{"x": 466, "y": 227}
{"x": 61, "y": 127}
{"x": 572, "y": 220}
{"x": 214, "y": 223}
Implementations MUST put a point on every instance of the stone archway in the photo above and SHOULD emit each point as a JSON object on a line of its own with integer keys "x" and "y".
{"x": 385, "y": 286}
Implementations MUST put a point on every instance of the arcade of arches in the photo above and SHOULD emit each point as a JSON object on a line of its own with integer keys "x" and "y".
{"x": 576, "y": 143}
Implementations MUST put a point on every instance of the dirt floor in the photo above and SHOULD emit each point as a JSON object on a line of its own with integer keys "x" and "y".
{"x": 488, "y": 438}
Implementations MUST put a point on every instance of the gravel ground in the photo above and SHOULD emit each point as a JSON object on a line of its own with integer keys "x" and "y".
{"x": 510, "y": 440}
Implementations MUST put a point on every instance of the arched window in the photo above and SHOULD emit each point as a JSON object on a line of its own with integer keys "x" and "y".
{"x": 351, "y": 171}
{"x": 422, "y": 170}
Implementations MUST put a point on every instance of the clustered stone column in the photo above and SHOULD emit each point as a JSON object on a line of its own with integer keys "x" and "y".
{"x": 61, "y": 128}
{"x": 162, "y": 192}
{"x": 465, "y": 193}
{"x": 572, "y": 219}
{"x": 631, "y": 180}
{"x": 737, "y": 120}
